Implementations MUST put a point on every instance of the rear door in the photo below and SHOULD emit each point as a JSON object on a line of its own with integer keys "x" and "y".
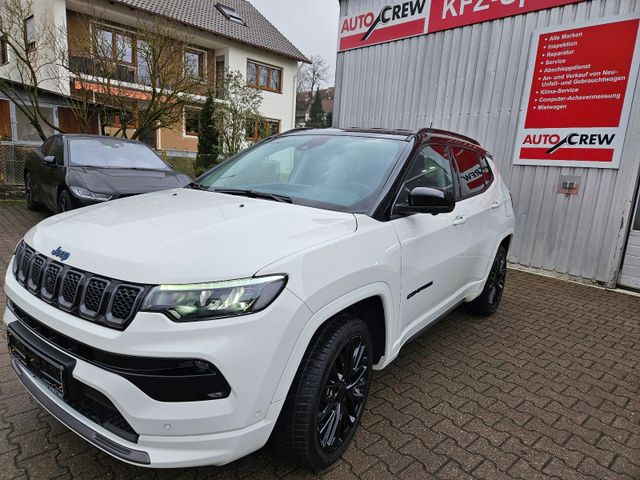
{"x": 479, "y": 203}
{"x": 434, "y": 247}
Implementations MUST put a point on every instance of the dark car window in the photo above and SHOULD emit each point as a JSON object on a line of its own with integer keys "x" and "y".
{"x": 336, "y": 172}
{"x": 430, "y": 168}
{"x": 56, "y": 149}
{"x": 46, "y": 146}
{"x": 109, "y": 152}
{"x": 470, "y": 171}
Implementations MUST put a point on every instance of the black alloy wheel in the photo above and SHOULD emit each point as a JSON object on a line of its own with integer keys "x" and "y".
{"x": 28, "y": 187}
{"x": 489, "y": 300}
{"x": 64, "y": 202}
{"x": 328, "y": 394}
{"x": 343, "y": 395}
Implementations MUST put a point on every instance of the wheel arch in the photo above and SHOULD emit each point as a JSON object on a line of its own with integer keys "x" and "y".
{"x": 372, "y": 304}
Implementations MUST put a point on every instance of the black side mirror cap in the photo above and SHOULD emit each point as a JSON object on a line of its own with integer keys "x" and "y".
{"x": 429, "y": 200}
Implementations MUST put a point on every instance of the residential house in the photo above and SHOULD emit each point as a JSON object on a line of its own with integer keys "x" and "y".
{"x": 231, "y": 34}
{"x": 303, "y": 104}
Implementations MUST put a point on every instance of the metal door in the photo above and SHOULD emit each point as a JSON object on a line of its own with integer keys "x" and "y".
{"x": 630, "y": 273}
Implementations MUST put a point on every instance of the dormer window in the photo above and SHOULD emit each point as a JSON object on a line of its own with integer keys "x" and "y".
{"x": 230, "y": 14}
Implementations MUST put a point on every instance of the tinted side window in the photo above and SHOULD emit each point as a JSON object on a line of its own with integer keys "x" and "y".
{"x": 488, "y": 174}
{"x": 46, "y": 146}
{"x": 57, "y": 150}
{"x": 430, "y": 168}
{"x": 470, "y": 171}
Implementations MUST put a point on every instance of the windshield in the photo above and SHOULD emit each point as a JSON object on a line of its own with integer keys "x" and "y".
{"x": 335, "y": 172}
{"x": 111, "y": 152}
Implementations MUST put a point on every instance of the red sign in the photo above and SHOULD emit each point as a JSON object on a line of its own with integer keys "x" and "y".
{"x": 447, "y": 14}
{"x": 579, "y": 90}
{"x": 409, "y": 18}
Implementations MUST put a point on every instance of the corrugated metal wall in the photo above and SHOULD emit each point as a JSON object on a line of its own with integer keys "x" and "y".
{"x": 471, "y": 80}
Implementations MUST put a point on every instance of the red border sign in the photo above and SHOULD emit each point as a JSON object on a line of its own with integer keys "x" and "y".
{"x": 578, "y": 94}
{"x": 409, "y": 18}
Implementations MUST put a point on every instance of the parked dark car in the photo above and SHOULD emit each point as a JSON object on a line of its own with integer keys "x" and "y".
{"x": 71, "y": 171}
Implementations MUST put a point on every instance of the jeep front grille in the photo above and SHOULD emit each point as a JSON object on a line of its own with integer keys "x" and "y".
{"x": 110, "y": 302}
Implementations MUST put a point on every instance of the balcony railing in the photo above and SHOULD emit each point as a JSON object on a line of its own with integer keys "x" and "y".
{"x": 89, "y": 66}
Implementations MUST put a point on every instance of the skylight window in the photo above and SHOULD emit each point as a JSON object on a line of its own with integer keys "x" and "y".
{"x": 230, "y": 13}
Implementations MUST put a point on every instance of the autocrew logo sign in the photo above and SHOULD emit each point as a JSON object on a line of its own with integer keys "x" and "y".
{"x": 409, "y": 18}
{"x": 593, "y": 146}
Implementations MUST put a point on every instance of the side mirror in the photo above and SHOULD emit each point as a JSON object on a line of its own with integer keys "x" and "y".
{"x": 429, "y": 200}
{"x": 49, "y": 159}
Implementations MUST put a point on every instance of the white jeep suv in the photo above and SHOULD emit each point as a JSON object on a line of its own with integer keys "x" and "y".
{"x": 190, "y": 326}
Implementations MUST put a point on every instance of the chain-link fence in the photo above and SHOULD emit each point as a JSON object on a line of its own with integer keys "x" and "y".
{"x": 12, "y": 160}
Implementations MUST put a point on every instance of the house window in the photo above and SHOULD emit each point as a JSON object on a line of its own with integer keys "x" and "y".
{"x": 142, "y": 57}
{"x": 192, "y": 121}
{"x": 264, "y": 77}
{"x": 220, "y": 74}
{"x": 104, "y": 43}
{"x": 124, "y": 48}
{"x": 230, "y": 13}
{"x": 25, "y": 131}
{"x": 4, "y": 51}
{"x": 194, "y": 63}
{"x": 263, "y": 129}
{"x": 29, "y": 33}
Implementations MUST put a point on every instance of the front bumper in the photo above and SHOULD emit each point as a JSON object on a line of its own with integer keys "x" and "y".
{"x": 251, "y": 353}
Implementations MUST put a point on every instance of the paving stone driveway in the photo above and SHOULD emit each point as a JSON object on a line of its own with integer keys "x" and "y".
{"x": 549, "y": 387}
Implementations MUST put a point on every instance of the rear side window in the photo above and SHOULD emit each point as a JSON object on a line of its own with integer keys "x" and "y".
{"x": 471, "y": 171}
{"x": 488, "y": 174}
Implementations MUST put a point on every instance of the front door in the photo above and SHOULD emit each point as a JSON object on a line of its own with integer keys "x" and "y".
{"x": 630, "y": 273}
{"x": 434, "y": 247}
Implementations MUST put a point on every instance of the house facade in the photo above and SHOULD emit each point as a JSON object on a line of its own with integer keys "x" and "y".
{"x": 229, "y": 35}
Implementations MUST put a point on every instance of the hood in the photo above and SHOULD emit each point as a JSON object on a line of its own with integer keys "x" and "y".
{"x": 125, "y": 181}
{"x": 185, "y": 236}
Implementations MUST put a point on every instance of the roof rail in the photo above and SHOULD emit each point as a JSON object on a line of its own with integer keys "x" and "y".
{"x": 449, "y": 134}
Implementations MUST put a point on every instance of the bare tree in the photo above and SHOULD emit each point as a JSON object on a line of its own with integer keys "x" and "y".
{"x": 34, "y": 64}
{"x": 150, "y": 95}
{"x": 312, "y": 75}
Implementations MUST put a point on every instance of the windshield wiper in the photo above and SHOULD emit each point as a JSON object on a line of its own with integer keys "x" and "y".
{"x": 254, "y": 194}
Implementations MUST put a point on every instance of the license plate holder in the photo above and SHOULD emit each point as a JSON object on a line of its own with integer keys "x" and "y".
{"x": 52, "y": 368}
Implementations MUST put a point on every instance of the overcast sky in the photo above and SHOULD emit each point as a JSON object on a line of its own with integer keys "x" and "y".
{"x": 312, "y": 25}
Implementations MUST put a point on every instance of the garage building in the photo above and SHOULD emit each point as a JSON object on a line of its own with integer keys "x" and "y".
{"x": 548, "y": 86}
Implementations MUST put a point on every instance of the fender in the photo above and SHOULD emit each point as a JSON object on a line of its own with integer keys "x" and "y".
{"x": 380, "y": 289}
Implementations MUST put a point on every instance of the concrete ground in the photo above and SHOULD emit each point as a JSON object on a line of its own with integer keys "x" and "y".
{"x": 549, "y": 387}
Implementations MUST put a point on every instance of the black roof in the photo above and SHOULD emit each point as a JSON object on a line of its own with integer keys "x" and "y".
{"x": 400, "y": 134}
{"x": 205, "y": 15}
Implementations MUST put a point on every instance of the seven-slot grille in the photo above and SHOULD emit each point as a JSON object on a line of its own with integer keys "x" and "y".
{"x": 83, "y": 294}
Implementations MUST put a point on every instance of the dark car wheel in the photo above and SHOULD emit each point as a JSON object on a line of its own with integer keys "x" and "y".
{"x": 64, "y": 202}
{"x": 28, "y": 186}
{"x": 328, "y": 395}
{"x": 489, "y": 300}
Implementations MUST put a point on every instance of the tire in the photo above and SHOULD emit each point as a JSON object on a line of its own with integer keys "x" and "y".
{"x": 489, "y": 300}
{"x": 64, "y": 202}
{"x": 31, "y": 203}
{"x": 312, "y": 429}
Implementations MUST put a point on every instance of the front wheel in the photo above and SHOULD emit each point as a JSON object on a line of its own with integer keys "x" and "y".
{"x": 64, "y": 202}
{"x": 328, "y": 395}
{"x": 28, "y": 187}
{"x": 489, "y": 300}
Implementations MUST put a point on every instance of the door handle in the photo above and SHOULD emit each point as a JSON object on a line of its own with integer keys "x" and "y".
{"x": 459, "y": 220}
{"x": 495, "y": 204}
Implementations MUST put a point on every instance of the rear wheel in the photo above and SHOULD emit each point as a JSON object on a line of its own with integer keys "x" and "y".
{"x": 489, "y": 300}
{"x": 328, "y": 395}
{"x": 28, "y": 186}
{"x": 64, "y": 202}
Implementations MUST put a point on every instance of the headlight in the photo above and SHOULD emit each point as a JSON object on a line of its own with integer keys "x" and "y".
{"x": 85, "y": 194}
{"x": 204, "y": 301}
